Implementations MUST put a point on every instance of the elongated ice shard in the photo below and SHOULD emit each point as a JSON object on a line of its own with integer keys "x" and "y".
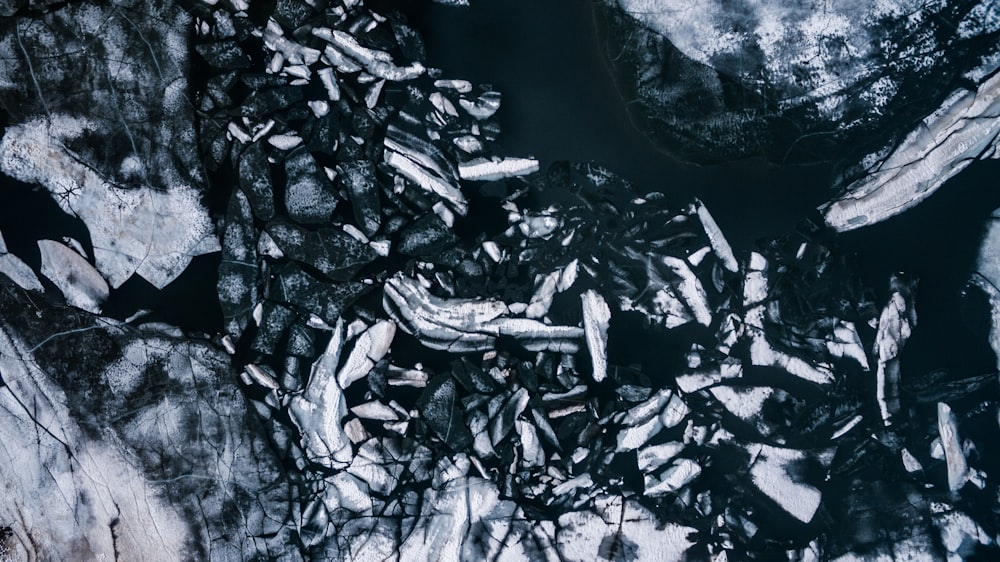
{"x": 463, "y": 325}
{"x": 716, "y": 238}
{"x": 689, "y": 289}
{"x": 965, "y": 128}
{"x": 78, "y": 281}
{"x": 369, "y": 348}
{"x": 18, "y": 271}
{"x": 545, "y": 291}
{"x": 596, "y": 319}
{"x": 319, "y": 410}
{"x": 482, "y": 169}
{"x": 377, "y": 63}
{"x": 426, "y": 180}
{"x": 958, "y": 467}
{"x": 894, "y": 328}
{"x": 847, "y": 343}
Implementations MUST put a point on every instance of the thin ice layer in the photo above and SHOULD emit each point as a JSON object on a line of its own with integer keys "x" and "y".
{"x": 150, "y": 232}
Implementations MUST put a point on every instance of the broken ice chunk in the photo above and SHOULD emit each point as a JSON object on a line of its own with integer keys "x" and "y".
{"x": 680, "y": 474}
{"x": 744, "y": 402}
{"x": 655, "y": 456}
{"x": 755, "y": 293}
{"x": 259, "y": 376}
{"x": 531, "y": 448}
{"x": 958, "y": 467}
{"x": 439, "y": 407}
{"x": 468, "y": 143}
{"x": 323, "y": 299}
{"x": 538, "y": 225}
{"x": 426, "y": 180}
{"x": 693, "y": 382}
{"x": 596, "y": 318}
{"x": 329, "y": 83}
{"x": 910, "y": 463}
{"x": 78, "y": 281}
{"x": 484, "y": 107}
{"x": 255, "y": 181}
{"x": 674, "y": 412}
{"x": 643, "y": 421}
{"x": 482, "y": 169}
{"x": 285, "y": 141}
{"x": 463, "y": 325}
{"x": 847, "y": 343}
{"x": 443, "y": 104}
{"x": 690, "y": 289}
{"x": 319, "y": 108}
{"x": 427, "y": 236}
{"x": 851, "y": 424}
{"x": 772, "y": 471}
{"x": 377, "y": 63}
{"x": 369, "y": 348}
{"x": 398, "y": 376}
{"x": 266, "y": 246}
{"x": 460, "y": 86}
{"x": 330, "y": 250}
{"x": 359, "y": 180}
{"x": 319, "y": 410}
{"x": 894, "y": 328}
{"x": 237, "y": 284}
{"x": 541, "y": 299}
{"x": 716, "y": 238}
{"x": 375, "y": 410}
{"x": 18, "y": 271}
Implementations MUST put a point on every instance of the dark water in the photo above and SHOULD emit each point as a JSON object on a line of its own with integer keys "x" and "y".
{"x": 29, "y": 214}
{"x": 560, "y": 103}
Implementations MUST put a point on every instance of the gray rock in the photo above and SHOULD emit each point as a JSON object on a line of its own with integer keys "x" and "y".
{"x": 332, "y": 251}
{"x": 255, "y": 181}
{"x": 322, "y": 298}
{"x": 309, "y": 196}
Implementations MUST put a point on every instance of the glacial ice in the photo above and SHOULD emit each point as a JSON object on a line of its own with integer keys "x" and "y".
{"x": 18, "y": 271}
{"x": 770, "y": 473}
{"x": 466, "y": 324}
{"x": 596, "y": 316}
{"x": 965, "y": 128}
{"x": 319, "y": 410}
{"x": 78, "y": 281}
{"x": 449, "y": 442}
{"x": 895, "y": 325}
{"x": 146, "y": 231}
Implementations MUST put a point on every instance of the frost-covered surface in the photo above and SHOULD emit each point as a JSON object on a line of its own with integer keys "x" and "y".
{"x": 793, "y": 81}
{"x": 120, "y": 442}
{"x": 965, "y": 128}
{"x": 96, "y": 97}
{"x": 146, "y": 231}
{"x": 434, "y": 350}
